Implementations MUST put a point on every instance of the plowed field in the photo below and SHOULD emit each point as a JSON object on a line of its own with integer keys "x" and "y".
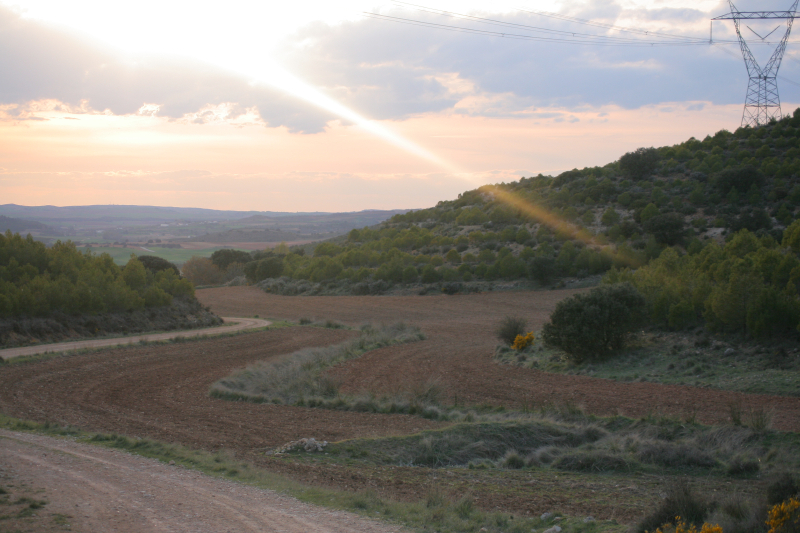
{"x": 160, "y": 391}
{"x": 458, "y": 354}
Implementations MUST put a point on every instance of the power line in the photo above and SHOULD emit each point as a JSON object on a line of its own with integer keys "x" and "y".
{"x": 602, "y": 40}
{"x": 586, "y": 22}
{"x": 534, "y": 28}
{"x": 558, "y": 36}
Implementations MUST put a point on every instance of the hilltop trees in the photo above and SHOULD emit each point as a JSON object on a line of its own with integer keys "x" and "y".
{"x": 640, "y": 163}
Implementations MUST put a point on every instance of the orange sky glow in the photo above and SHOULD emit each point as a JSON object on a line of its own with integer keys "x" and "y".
{"x": 72, "y": 158}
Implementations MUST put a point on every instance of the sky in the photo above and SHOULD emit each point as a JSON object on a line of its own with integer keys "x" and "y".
{"x": 351, "y": 105}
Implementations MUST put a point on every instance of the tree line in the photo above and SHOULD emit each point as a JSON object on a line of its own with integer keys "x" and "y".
{"x": 37, "y": 281}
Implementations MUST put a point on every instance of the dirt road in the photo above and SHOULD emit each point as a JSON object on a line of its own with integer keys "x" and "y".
{"x": 234, "y": 325}
{"x": 90, "y": 488}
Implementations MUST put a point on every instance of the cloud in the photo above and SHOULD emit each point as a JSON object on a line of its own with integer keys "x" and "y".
{"x": 386, "y": 70}
{"x": 40, "y": 64}
{"x": 395, "y": 70}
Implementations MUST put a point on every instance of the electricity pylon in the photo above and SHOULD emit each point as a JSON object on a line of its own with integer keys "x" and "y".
{"x": 762, "y": 103}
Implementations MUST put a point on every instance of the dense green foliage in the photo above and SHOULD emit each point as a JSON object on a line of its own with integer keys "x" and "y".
{"x": 37, "y": 281}
{"x": 749, "y": 284}
{"x": 639, "y": 163}
{"x": 594, "y": 325}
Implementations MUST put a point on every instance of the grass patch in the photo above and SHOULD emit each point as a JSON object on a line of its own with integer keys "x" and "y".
{"x": 680, "y": 358}
{"x": 299, "y": 378}
{"x": 553, "y": 441}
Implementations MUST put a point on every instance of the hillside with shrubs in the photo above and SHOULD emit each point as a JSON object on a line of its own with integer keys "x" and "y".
{"x": 688, "y": 203}
{"x": 58, "y": 292}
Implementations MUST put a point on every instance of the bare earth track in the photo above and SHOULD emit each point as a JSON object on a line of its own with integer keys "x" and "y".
{"x": 97, "y": 489}
{"x": 161, "y": 391}
{"x": 233, "y": 325}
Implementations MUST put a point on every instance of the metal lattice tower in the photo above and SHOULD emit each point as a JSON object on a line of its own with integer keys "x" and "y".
{"x": 762, "y": 103}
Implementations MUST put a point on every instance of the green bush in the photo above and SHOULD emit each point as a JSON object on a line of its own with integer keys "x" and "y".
{"x": 156, "y": 264}
{"x": 594, "y": 325}
{"x": 262, "y": 269}
{"x": 223, "y": 258}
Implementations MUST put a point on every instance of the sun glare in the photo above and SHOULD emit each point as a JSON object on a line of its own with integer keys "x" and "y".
{"x": 275, "y": 75}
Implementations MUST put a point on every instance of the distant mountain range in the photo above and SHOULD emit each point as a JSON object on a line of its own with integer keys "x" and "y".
{"x": 142, "y": 214}
{"x": 18, "y": 225}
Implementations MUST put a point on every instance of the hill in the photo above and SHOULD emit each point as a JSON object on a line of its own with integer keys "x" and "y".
{"x": 120, "y": 225}
{"x": 16, "y": 225}
{"x": 582, "y": 222}
{"x": 721, "y": 206}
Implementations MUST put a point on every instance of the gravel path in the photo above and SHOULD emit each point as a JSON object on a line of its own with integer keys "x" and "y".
{"x": 98, "y": 489}
{"x": 235, "y": 324}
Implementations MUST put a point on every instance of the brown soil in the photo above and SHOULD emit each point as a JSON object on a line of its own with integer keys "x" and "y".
{"x": 459, "y": 348}
{"x": 161, "y": 392}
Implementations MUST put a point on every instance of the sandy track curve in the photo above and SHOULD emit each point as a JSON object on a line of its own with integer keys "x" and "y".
{"x": 100, "y": 489}
{"x": 236, "y": 324}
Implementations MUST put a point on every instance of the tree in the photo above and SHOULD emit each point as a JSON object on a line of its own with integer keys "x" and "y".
{"x": 262, "y": 269}
{"x": 610, "y": 217}
{"x": 648, "y": 212}
{"x": 223, "y": 258}
{"x": 593, "y": 325}
{"x": 157, "y": 264}
{"x": 639, "y": 163}
{"x": 739, "y": 178}
{"x": 668, "y": 229}
{"x": 429, "y": 274}
{"x": 410, "y": 274}
{"x": 453, "y": 257}
{"x": 543, "y": 268}
{"x": 134, "y": 274}
{"x": 791, "y": 237}
{"x": 201, "y": 271}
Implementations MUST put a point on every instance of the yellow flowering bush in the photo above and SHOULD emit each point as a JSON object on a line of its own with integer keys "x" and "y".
{"x": 681, "y": 527}
{"x": 785, "y": 517}
{"x": 523, "y": 341}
